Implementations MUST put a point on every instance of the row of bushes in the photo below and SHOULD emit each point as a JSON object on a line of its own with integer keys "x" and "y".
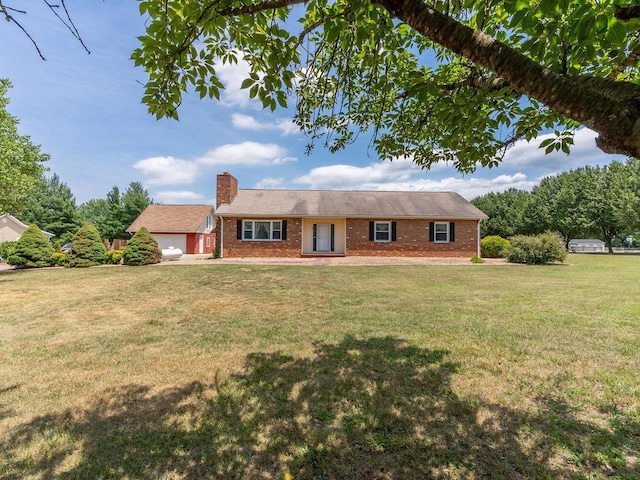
{"x": 33, "y": 250}
{"x": 533, "y": 250}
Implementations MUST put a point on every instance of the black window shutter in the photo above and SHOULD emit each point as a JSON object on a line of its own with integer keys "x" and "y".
{"x": 393, "y": 231}
{"x": 239, "y": 231}
{"x": 284, "y": 230}
{"x": 371, "y": 230}
{"x": 315, "y": 235}
{"x": 333, "y": 233}
{"x": 452, "y": 232}
{"x": 432, "y": 226}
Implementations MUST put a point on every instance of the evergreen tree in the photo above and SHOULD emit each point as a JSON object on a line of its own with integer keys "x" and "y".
{"x": 88, "y": 249}
{"x": 52, "y": 207}
{"x": 96, "y": 212}
{"x": 123, "y": 209}
{"x": 32, "y": 250}
{"x": 142, "y": 249}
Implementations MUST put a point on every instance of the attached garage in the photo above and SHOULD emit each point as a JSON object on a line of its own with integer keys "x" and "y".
{"x": 187, "y": 227}
{"x": 175, "y": 240}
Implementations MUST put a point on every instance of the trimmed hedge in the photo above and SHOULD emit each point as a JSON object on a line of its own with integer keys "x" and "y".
{"x": 32, "y": 250}
{"x": 87, "y": 249}
{"x": 494, "y": 246}
{"x": 142, "y": 249}
{"x": 537, "y": 249}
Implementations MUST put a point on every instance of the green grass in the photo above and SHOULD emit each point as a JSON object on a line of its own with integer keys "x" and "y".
{"x": 224, "y": 371}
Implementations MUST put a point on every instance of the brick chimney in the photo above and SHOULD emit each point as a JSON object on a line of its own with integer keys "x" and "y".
{"x": 226, "y": 188}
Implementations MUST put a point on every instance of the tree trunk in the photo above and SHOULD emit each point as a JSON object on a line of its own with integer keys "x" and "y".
{"x": 610, "y": 107}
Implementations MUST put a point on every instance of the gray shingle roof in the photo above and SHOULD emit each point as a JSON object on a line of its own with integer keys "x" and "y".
{"x": 171, "y": 218}
{"x": 349, "y": 203}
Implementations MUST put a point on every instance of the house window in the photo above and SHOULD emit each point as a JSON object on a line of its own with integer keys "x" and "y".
{"x": 441, "y": 232}
{"x": 262, "y": 230}
{"x": 208, "y": 242}
{"x": 209, "y": 225}
{"x": 382, "y": 232}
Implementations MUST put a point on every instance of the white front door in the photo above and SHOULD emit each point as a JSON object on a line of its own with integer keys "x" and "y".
{"x": 201, "y": 244}
{"x": 323, "y": 237}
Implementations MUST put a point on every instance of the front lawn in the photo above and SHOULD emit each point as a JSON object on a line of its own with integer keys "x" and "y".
{"x": 229, "y": 371}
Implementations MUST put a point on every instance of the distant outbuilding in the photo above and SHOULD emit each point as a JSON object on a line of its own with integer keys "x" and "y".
{"x": 580, "y": 245}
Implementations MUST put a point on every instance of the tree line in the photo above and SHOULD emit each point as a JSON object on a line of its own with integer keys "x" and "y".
{"x": 52, "y": 206}
{"x": 601, "y": 202}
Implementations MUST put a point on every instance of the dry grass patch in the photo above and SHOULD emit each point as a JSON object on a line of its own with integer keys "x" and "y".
{"x": 223, "y": 371}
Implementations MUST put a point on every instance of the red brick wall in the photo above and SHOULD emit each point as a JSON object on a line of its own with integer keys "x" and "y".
{"x": 412, "y": 240}
{"x": 291, "y": 247}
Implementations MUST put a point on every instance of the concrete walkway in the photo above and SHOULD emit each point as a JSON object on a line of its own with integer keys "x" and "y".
{"x": 335, "y": 261}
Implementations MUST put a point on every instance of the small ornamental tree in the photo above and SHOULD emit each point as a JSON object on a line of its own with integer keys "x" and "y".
{"x": 142, "y": 249}
{"x": 87, "y": 249}
{"x": 32, "y": 250}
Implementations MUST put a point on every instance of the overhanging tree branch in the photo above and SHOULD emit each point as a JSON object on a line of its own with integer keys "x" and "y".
{"x": 5, "y": 9}
{"x": 610, "y": 107}
{"x": 557, "y": 94}
{"x": 627, "y": 13}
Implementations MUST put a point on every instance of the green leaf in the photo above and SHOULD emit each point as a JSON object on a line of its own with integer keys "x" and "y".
{"x": 247, "y": 83}
{"x": 617, "y": 33}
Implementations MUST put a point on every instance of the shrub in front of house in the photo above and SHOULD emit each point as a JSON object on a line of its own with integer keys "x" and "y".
{"x": 87, "y": 249}
{"x": 142, "y": 249}
{"x": 494, "y": 246}
{"x": 537, "y": 249}
{"x": 32, "y": 250}
{"x": 59, "y": 259}
{"x": 114, "y": 257}
{"x": 7, "y": 248}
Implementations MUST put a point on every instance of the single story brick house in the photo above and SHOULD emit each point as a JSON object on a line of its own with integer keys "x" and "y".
{"x": 294, "y": 223}
{"x": 187, "y": 227}
{"x": 11, "y": 229}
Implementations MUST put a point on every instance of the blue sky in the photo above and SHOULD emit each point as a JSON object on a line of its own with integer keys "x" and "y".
{"x": 85, "y": 111}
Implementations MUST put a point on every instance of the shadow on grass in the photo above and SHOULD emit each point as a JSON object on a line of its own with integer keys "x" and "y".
{"x": 360, "y": 409}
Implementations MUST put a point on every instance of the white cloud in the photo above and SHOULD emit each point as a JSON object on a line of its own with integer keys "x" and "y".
{"x": 177, "y": 197}
{"x": 403, "y": 175}
{"x": 270, "y": 183}
{"x": 232, "y": 75}
{"x": 468, "y": 187}
{"x": 247, "y": 122}
{"x": 350, "y": 177}
{"x": 584, "y": 152}
{"x": 167, "y": 171}
{"x": 287, "y": 126}
{"x": 247, "y": 154}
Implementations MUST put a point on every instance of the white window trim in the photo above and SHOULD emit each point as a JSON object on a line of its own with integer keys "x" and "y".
{"x": 375, "y": 231}
{"x": 435, "y": 232}
{"x": 253, "y": 229}
{"x": 209, "y": 223}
